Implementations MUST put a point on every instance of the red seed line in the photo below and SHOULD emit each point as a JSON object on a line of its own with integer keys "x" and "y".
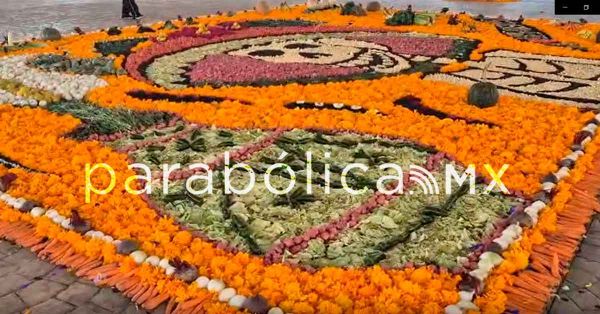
{"x": 161, "y": 140}
{"x": 239, "y": 155}
{"x": 335, "y": 227}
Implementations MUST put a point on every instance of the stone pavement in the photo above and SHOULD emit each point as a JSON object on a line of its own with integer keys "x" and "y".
{"x": 25, "y": 18}
{"x": 30, "y": 285}
{"x": 580, "y": 292}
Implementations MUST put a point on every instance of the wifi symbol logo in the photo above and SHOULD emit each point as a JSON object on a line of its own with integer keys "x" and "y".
{"x": 424, "y": 179}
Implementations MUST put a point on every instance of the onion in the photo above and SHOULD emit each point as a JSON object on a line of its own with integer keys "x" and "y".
{"x": 275, "y": 310}
{"x": 466, "y": 295}
{"x": 226, "y": 294}
{"x": 453, "y": 309}
{"x": 138, "y": 256}
{"x": 153, "y": 260}
{"x": 467, "y": 305}
{"x": 66, "y": 223}
{"x": 169, "y": 270}
{"x": 37, "y": 212}
{"x": 164, "y": 263}
{"x": 215, "y": 285}
{"x": 202, "y": 281}
{"x": 237, "y": 301}
{"x": 480, "y": 274}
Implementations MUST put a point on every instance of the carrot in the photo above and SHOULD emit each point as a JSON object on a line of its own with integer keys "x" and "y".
{"x": 38, "y": 247}
{"x": 154, "y": 302}
{"x": 94, "y": 268}
{"x": 139, "y": 294}
{"x": 72, "y": 259}
{"x": 170, "y": 306}
{"x": 67, "y": 253}
{"x": 134, "y": 290}
{"x": 555, "y": 269}
{"x": 125, "y": 285}
{"x": 199, "y": 309}
{"x": 48, "y": 247}
{"x": 147, "y": 295}
{"x": 82, "y": 271}
{"x": 190, "y": 304}
{"x": 537, "y": 266}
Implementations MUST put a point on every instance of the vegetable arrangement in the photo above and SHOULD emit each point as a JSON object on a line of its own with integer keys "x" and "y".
{"x": 300, "y": 252}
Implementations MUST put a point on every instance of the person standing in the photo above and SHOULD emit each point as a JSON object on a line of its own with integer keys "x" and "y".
{"x": 130, "y": 10}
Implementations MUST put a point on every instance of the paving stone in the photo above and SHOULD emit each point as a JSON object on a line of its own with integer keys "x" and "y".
{"x": 594, "y": 227}
{"x": 110, "y": 300}
{"x": 593, "y": 241}
{"x": 90, "y": 308}
{"x": 20, "y": 257}
{"x": 52, "y": 306}
{"x": 161, "y": 309}
{"x": 86, "y": 281}
{"x": 7, "y": 248}
{"x": 594, "y": 288}
{"x": 12, "y": 282}
{"x": 587, "y": 265}
{"x": 590, "y": 252}
{"x": 11, "y": 303}
{"x": 61, "y": 275}
{"x": 133, "y": 309}
{"x": 78, "y": 293}
{"x": 40, "y": 291}
{"x": 564, "y": 307}
{"x": 584, "y": 299}
{"x": 35, "y": 268}
{"x": 8, "y": 269}
{"x": 580, "y": 278}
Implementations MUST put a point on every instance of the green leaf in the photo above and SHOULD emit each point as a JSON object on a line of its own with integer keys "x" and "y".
{"x": 196, "y": 134}
{"x": 170, "y": 198}
{"x": 155, "y": 148}
{"x": 225, "y": 134}
{"x": 196, "y": 199}
{"x": 182, "y": 144}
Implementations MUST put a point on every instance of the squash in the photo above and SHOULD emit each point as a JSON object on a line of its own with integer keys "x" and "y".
{"x": 402, "y": 17}
{"x": 190, "y": 21}
{"x": 113, "y": 31}
{"x": 263, "y": 7}
{"x": 424, "y": 18}
{"x": 169, "y": 25}
{"x": 483, "y": 94}
{"x": 585, "y": 34}
{"x": 144, "y": 29}
{"x": 374, "y": 6}
{"x": 350, "y": 8}
{"x": 49, "y": 33}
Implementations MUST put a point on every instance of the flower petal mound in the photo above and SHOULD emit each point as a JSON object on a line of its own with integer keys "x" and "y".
{"x": 262, "y": 89}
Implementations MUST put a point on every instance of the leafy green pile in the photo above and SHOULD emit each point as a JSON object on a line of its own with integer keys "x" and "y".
{"x": 104, "y": 121}
{"x": 60, "y": 63}
{"x": 118, "y": 47}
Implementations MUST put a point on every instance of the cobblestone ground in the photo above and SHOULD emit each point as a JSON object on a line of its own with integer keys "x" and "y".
{"x": 580, "y": 292}
{"x": 25, "y": 18}
{"x": 30, "y": 285}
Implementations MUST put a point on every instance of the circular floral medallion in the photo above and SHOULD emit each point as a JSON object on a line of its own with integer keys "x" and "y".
{"x": 294, "y": 54}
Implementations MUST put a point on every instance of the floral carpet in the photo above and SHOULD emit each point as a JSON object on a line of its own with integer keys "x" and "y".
{"x": 263, "y": 88}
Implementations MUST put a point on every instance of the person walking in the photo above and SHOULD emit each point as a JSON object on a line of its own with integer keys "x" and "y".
{"x": 130, "y": 10}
